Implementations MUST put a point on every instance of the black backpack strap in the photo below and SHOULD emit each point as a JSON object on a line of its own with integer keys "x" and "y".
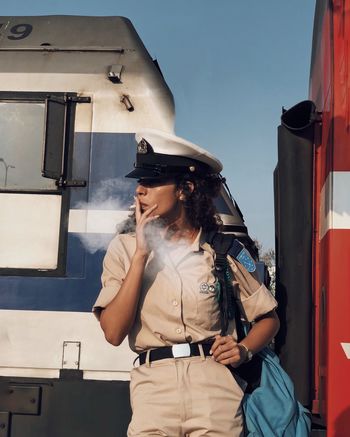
{"x": 223, "y": 245}
{"x": 227, "y": 244}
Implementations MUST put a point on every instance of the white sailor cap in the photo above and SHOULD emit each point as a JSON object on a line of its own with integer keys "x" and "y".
{"x": 161, "y": 154}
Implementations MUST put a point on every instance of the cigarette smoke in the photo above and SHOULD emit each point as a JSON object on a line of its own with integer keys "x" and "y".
{"x": 106, "y": 212}
{"x": 164, "y": 245}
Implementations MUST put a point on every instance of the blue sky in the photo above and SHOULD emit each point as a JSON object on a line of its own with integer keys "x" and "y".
{"x": 231, "y": 66}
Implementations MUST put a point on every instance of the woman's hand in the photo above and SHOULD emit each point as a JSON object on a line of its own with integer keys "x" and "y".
{"x": 226, "y": 350}
{"x": 142, "y": 219}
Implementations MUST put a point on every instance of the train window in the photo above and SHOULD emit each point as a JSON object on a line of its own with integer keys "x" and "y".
{"x": 22, "y": 126}
{"x": 36, "y": 142}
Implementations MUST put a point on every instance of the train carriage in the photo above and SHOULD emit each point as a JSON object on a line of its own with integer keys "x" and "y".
{"x": 73, "y": 91}
{"x": 312, "y": 228}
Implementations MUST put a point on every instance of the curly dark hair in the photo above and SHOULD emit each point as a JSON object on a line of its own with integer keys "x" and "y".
{"x": 199, "y": 203}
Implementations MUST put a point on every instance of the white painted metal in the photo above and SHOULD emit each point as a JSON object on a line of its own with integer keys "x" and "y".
{"x": 29, "y": 230}
{"x": 335, "y": 202}
{"x": 32, "y": 340}
{"x": 29, "y": 373}
{"x": 346, "y": 349}
{"x": 152, "y": 108}
{"x": 102, "y": 42}
{"x": 106, "y": 376}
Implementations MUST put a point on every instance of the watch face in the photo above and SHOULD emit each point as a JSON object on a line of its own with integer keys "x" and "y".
{"x": 249, "y": 355}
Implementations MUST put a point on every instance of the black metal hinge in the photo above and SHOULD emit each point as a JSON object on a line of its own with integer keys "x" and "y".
{"x": 77, "y": 99}
{"x": 64, "y": 183}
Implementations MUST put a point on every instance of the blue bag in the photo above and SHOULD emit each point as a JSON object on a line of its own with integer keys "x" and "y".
{"x": 272, "y": 410}
{"x": 269, "y": 404}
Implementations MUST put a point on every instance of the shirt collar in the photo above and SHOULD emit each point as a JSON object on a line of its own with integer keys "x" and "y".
{"x": 201, "y": 243}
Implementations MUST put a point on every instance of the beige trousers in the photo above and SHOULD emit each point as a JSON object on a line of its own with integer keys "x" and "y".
{"x": 186, "y": 397}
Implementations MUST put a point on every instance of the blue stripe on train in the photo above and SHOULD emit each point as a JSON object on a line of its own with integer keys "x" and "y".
{"x": 112, "y": 156}
{"x": 76, "y": 292}
{"x": 97, "y": 157}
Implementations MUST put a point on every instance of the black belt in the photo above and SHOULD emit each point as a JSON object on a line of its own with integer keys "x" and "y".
{"x": 176, "y": 351}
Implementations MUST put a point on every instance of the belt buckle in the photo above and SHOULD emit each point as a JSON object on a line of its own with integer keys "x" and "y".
{"x": 181, "y": 350}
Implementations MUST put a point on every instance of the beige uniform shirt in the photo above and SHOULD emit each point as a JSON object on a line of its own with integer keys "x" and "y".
{"x": 178, "y": 301}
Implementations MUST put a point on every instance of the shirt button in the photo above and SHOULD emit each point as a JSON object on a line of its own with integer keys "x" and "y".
{"x": 175, "y": 303}
{"x": 178, "y": 330}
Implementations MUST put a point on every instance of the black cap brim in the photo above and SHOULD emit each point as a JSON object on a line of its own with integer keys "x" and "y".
{"x": 143, "y": 173}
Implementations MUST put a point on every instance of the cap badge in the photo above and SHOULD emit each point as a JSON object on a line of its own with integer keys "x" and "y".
{"x": 142, "y": 147}
{"x": 192, "y": 168}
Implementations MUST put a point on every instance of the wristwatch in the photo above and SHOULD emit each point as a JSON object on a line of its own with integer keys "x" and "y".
{"x": 249, "y": 353}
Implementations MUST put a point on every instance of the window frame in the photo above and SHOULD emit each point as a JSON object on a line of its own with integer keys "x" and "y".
{"x": 67, "y": 154}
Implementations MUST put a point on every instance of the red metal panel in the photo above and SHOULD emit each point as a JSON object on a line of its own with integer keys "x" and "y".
{"x": 330, "y": 85}
{"x": 338, "y": 315}
{"x": 341, "y": 152}
{"x": 321, "y": 91}
{"x": 321, "y": 86}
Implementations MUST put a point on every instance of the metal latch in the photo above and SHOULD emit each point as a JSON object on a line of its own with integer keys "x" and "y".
{"x": 71, "y": 355}
{"x": 79, "y": 99}
{"x": 115, "y": 73}
{"x": 66, "y": 98}
{"x": 63, "y": 183}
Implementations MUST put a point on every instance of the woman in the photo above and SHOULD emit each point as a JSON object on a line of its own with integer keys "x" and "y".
{"x": 160, "y": 289}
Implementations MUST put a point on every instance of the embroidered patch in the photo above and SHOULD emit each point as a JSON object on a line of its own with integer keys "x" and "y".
{"x": 246, "y": 260}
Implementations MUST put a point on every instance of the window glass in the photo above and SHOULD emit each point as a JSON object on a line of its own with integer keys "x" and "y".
{"x": 22, "y": 127}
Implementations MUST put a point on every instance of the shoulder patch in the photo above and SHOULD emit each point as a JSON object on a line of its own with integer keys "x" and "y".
{"x": 242, "y": 255}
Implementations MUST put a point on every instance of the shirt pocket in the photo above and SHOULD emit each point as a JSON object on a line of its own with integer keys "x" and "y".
{"x": 207, "y": 313}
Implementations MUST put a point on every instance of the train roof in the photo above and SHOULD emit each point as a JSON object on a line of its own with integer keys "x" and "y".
{"x": 92, "y": 42}
{"x": 68, "y": 31}
{"x": 101, "y": 57}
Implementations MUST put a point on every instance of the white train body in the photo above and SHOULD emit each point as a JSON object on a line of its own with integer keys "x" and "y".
{"x": 73, "y": 91}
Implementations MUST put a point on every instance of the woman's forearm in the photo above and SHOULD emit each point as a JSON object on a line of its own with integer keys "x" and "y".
{"x": 118, "y": 317}
{"x": 262, "y": 332}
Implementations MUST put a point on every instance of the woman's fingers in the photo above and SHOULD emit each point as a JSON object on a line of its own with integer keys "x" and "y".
{"x": 226, "y": 351}
{"x": 222, "y": 344}
{"x": 139, "y": 215}
{"x": 142, "y": 219}
{"x": 150, "y": 219}
{"x": 149, "y": 211}
{"x": 137, "y": 209}
{"x": 232, "y": 355}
